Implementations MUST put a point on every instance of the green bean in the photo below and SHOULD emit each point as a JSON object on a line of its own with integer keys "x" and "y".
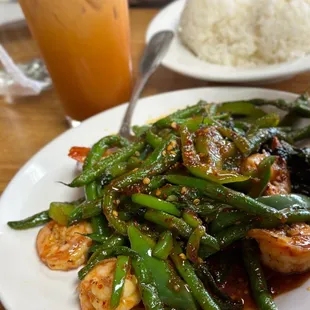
{"x": 93, "y": 172}
{"x": 98, "y": 149}
{"x": 155, "y": 203}
{"x": 164, "y": 246}
{"x": 97, "y": 237}
{"x": 113, "y": 172}
{"x": 300, "y": 105}
{"x": 170, "y": 222}
{"x": 258, "y": 283}
{"x": 153, "y": 139}
{"x": 300, "y": 134}
{"x": 100, "y": 225}
{"x": 121, "y": 269}
{"x": 226, "y": 237}
{"x": 91, "y": 191}
{"x": 35, "y": 220}
{"x": 177, "y": 226}
{"x": 158, "y": 162}
{"x": 187, "y": 272}
{"x": 110, "y": 212}
{"x": 84, "y": 211}
{"x": 256, "y": 139}
{"x": 269, "y": 120}
{"x": 222, "y": 299}
{"x": 225, "y": 219}
{"x": 191, "y": 218}
{"x": 193, "y": 243}
{"x": 229, "y": 196}
{"x": 181, "y": 114}
{"x": 139, "y": 131}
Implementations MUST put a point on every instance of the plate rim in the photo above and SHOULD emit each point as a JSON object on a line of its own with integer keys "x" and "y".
{"x": 7, "y": 191}
{"x": 280, "y": 71}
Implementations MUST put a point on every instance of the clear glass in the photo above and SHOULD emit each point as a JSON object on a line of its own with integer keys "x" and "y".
{"x": 85, "y": 44}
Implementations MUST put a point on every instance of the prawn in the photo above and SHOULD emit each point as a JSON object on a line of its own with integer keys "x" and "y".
{"x": 61, "y": 247}
{"x": 95, "y": 289}
{"x": 279, "y": 183}
{"x": 285, "y": 249}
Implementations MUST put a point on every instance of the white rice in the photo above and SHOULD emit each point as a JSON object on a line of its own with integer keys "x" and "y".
{"x": 246, "y": 33}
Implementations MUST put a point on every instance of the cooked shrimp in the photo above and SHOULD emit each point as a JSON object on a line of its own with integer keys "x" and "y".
{"x": 285, "y": 249}
{"x": 96, "y": 288}
{"x": 280, "y": 177}
{"x": 63, "y": 248}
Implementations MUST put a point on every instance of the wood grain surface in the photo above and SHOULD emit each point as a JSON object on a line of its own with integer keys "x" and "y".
{"x": 29, "y": 123}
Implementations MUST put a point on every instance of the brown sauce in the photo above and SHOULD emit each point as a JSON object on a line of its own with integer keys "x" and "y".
{"x": 237, "y": 286}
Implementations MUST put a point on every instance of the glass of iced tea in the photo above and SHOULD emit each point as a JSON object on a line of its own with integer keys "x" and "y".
{"x": 85, "y": 44}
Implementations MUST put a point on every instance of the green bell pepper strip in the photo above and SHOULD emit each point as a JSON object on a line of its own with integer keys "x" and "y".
{"x": 246, "y": 108}
{"x": 100, "y": 225}
{"x": 60, "y": 211}
{"x": 264, "y": 175}
{"x": 254, "y": 270}
{"x": 241, "y": 142}
{"x": 158, "y": 162}
{"x": 186, "y": 270}
{"x": 147, "y": 287}
{"x": 191, "y": 218}
{"x": 222, "y": 299}
{"x": 101, "y": 254}
{"x": 192, "y": 162}
{"x": 153, "y": 139}
{"x": 122, "y": 267}
{"x": 227, "y": 218}
{"x": 35, "y": 220}
{"x": 171, "y": 289}
{"x": 269, "y": 120}
{"x": 92, "y": 173}
{"x": 164, "y": 245}
{"x": 84, "y": 211}
{"x": 181, "y": 114}
{"x": 193, "y": 243}
{"x": 155, "y": 203}
{"x": 223, "y": 194}
{"x": 177, "y": 226}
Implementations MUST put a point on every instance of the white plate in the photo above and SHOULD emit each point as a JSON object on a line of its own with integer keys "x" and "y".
{"x": 27, "y": 284}
{"x": 10, "y": 13}
{"x": 183, "y": 61}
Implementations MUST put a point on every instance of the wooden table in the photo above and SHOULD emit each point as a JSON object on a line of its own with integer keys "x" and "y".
{"x": 30, "y": 123}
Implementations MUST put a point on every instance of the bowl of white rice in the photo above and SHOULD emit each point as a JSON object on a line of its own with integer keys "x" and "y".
{"x": 237, "y": 40}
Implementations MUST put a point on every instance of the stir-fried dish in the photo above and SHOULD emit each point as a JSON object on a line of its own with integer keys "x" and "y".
{"x": 211, "y": 182}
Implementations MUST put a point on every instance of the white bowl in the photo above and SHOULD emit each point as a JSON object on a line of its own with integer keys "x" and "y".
{"x": 183, "y": 61}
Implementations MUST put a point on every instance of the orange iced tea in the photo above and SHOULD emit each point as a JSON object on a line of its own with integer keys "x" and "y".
{"x": 85, "y": 44}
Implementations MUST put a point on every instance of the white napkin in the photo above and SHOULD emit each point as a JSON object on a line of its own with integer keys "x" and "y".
{"x": 14, "y": 83}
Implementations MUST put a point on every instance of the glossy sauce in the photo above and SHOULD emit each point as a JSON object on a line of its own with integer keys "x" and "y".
{"x": 85, "y": 44}
{"x": 236, "y": 284}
